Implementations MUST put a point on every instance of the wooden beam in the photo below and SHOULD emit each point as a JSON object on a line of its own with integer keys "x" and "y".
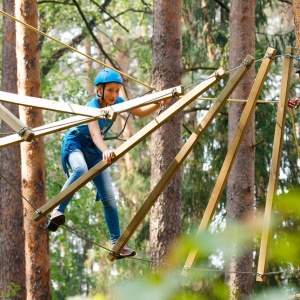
{"x": 52, "y": 105}
{"x": 132, "y": 142}
{"x": 232, "y": 152}
{"x": 148, "y": 99}
{"x": 275, "y": 164}
{"x": 181, "y": 156}
{"x": 89, "y": 111}
{"x": 13, "y": 122}
{"x": 52, "y": 128}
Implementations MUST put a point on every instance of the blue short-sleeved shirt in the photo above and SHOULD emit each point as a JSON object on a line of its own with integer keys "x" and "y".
{"x": 79, "y": 137}
{"x": 104, "y": 125}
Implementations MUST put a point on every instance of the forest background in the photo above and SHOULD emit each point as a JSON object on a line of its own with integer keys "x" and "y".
{"x": 119, "y": 34}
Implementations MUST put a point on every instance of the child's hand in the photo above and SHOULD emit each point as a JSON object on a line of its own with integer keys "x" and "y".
{"x": 293, "y": 103}
{"x": 166, "y": 101}
{"x": 108, "y": 155}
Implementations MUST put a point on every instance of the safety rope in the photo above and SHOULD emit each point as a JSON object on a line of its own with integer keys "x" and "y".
{"x": 71, "y": 48}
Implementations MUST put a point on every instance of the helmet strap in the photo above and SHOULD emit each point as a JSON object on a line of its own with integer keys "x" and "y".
{"x": 102, "y": 95}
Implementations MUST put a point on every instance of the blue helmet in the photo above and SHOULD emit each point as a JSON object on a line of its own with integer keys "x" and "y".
{"x": 107, "y": 75}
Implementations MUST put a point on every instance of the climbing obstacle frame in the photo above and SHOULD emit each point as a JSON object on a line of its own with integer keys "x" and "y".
{"x": 85, "y": 114}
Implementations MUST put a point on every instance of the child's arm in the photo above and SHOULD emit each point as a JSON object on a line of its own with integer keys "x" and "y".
{"x": 149, "y": 109}
{"x": 97, "y": 138}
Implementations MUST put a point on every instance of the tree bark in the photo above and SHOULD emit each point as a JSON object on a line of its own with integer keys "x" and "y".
{"x": 296, "y": 12}
{"x": 240, "y": 187}
{"x": 165, "y": 219}
{"x": 32, "y": 156}
{"x": 12, "y": 254}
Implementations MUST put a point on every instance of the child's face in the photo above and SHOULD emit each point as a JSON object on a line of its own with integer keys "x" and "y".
{"x": 111, "y": 92}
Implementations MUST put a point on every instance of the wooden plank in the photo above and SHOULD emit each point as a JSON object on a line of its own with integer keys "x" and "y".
{"x": 129, "y": 144}
{"x": 13, "y": 122}
{"x": 148, "y": 99}
{"x": 51, "y": 128}
{"x": 53, "y": 105}
{"x": 275, "y": 162}
{"x": 85, "y": 110}
{"x": 232, "y": 152}
{"x": 181, "y": 156}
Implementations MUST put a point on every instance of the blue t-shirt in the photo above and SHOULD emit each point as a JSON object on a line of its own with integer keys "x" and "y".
{"x": 71, "y": 142}
{"x": 104, "y": 125}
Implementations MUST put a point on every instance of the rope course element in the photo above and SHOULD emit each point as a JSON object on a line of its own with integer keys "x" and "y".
{"x": 268, "y": 56}
{"x": 87, "y": 119}
{"x": 23, "y": 130}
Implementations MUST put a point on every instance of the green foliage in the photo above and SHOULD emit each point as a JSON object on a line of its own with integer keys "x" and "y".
{"x": 204, "y": 33}
{"x": 12, "y": 291}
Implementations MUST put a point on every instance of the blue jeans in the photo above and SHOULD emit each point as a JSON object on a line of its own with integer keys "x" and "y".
{"x": 80, "y": 161}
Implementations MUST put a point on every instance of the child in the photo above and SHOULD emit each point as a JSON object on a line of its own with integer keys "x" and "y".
{"x": 83, "y": 147}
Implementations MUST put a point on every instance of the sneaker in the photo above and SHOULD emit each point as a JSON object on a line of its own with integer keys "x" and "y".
{"x": 126, "y": 252}
{"x": 57, "y": 218}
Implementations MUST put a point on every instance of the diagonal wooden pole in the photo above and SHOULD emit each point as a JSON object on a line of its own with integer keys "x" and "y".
{"x": 232, "y": 152}
{"x": 275, "y": 165}
{"x": 181, "y": 156}
{"x": 52, "y": 128}
{"x": 129, "y": 144}
{"x": 11, "y": 120}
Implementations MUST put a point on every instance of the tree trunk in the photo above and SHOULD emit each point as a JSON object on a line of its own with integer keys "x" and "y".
{"x": 165, "y": 219}
{"x": 240, "y": 187}
{"x": 32, "y": 156}
{"x": 12, "y": 254}
{"x": 296, "y": 12}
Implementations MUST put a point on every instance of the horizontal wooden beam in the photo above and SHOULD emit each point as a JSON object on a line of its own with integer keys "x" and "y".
{"x": 148, "y": 99}
{"x": 109, "y": 113}
{"x": 89, "y": 111}
{"x": 51, "y": 105}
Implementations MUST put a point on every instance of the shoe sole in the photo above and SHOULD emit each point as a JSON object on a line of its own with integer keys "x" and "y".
{"x": 56, "y": 222}
{"x": 120, "y": 256}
